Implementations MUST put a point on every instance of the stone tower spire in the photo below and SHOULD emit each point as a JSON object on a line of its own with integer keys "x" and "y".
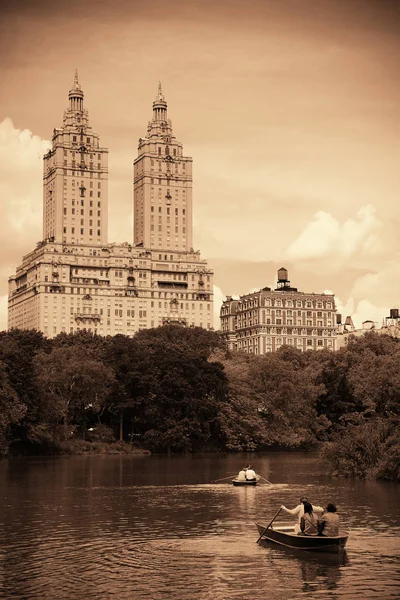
{"x": 75, "y": 179}
{"x": 162, "y": 186}
{"x": 75, "y": 95}
{"x": 159, "y": 106}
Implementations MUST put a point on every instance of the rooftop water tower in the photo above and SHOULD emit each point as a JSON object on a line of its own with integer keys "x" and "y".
{"x": 283, "y": 283}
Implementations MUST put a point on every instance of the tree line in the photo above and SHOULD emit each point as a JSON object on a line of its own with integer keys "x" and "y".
{"x": 173, "y": 389}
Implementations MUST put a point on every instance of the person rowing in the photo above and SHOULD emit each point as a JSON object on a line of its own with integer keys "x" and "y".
{"x": 250, "y": 474}
{"x": 298, "y": 511}
{"x": 242, "y": 475}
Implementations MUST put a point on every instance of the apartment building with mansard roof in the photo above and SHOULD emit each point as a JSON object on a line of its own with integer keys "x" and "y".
{"x": 265, "y": 320}
{"x": 75, "y": 279}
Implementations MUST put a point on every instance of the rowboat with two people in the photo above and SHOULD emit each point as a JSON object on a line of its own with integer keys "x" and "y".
{"x": 247, "y": 476}
{"x": 288, "y": 535}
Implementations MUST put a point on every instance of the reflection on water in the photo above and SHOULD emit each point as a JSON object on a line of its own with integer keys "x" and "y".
{"x": 97, "y": 528}
{"x": 317, "y": 571}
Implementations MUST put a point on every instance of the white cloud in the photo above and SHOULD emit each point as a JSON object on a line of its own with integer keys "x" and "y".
{"x": 325, "y": 237}
{"x": 21, "y": 155}
{"x": 361, "y": 311}
{"x": 373, "y": 294}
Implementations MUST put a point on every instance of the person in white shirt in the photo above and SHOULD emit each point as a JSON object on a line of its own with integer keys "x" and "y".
{"x": 242, "y": 475}
{"x": 298, "y": 511}
{"x": 250, "y": 474}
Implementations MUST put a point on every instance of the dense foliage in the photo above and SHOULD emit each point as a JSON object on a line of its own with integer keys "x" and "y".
{"x": 172, "y": 389}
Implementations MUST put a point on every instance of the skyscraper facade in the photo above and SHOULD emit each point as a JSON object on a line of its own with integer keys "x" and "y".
{"x": 75, "y": 179}
{"x": 162, "y": 186}
{"x": 74, "y": 279}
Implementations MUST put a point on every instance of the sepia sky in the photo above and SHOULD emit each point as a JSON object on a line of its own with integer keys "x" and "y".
{"x": 289, "y": 108}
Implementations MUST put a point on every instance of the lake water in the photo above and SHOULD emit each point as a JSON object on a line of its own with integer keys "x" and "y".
{"x": 153, "y": 527}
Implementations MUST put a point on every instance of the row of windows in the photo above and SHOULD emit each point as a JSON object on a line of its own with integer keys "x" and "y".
{"x": 168, "y": 210}
{"x": 80, "y": 184}
{"x": 88, "y": 141}
{"x": 82, "y": 194}
{"x": 81, "y": 174}
{"x": 94, "y": 291}
{"x": 243, "y": 307}
{"x": 82, "y": 213}
{"x": 82, "y": 203}
{"x": 82, "y": 231}
{"x": 91, "y": 155}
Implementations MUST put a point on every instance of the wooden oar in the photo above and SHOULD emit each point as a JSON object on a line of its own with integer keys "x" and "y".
{"x": 269, "y": 525}
{"x": 261, "y": 477}
{"x": 222, "y": 478}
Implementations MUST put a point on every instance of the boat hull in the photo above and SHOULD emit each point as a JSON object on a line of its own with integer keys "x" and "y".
{"x": 237, "y": 482}
{"x": 288, "y": 538}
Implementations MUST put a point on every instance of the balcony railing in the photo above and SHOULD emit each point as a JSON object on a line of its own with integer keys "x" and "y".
{"x": 84, "y": 317}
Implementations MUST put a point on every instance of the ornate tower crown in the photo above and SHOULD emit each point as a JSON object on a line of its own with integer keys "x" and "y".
{"x": 75, "y": 95}
{"x": 159, "y": 106}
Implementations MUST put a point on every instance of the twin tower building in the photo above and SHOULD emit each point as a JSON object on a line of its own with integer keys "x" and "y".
{"x": 75, "y": 279}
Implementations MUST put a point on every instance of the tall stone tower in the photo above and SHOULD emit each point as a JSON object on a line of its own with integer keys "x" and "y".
{"x": 162, "y": 187}
{"x": 75, "y": 179}
{"x": 74, "y": 280}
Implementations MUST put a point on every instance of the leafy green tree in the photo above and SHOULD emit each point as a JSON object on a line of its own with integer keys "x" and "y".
{"x": 11, "y": 409}
{"x": 370, "y": 449}
{"x": 374, "y": 378}
{"x": 287, "y": 392}
{"x": 95, "y": 345}
{"x": 73, "y": 385}
{"x": 18, "y": 349}
{"x": 123, "y": 355}
{"x": 179, "y": 388}
{"x": 196, "y": 340}
{"x": 336, "y": 400}
{"x": 241, "y": 427}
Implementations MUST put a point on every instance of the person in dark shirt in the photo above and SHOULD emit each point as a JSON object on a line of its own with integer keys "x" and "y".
{"x": 329, "y": 522}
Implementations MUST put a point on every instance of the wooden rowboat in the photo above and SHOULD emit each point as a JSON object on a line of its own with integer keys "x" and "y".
{"x": 284, "y": 535}
{"x": 245, "y": 482}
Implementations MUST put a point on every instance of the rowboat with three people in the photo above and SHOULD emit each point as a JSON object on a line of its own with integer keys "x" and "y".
{"x": 285, "y": 535}
{"x": 310, "y": 533}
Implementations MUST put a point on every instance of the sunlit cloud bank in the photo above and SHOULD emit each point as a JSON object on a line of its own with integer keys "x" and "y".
{"x": 361, "y": 311}
{"x": 21, "y": 155}
{"x": 325, "y": 237}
